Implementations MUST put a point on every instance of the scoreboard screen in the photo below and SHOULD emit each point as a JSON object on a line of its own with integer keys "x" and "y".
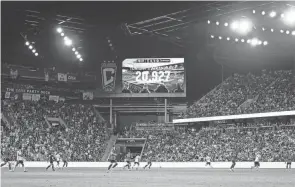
{"x": 154, "y": 76}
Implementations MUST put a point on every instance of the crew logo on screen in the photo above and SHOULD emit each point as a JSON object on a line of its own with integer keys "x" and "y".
{"x": 153, "y": 75}
{"x": 108, "y": 73}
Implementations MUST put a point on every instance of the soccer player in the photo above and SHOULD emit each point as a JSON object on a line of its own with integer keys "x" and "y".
{"x": 112, "y": 160}
{"x": 7, "y": 161}
{"x": 51, "y": 160}
{"x": 58, "y": 158}
{"x": 136, "y": 161}
{"x": 19, "y": 159}
{"x": 128, "y": 159}
{"x": 256, "y": 162}
{"x": 208, "y": 161}
{"x": 288, "y": 163}
{"x": 149, "y": 164}
{"x": 233, "y": 164}
{"x": 65, "y": 160}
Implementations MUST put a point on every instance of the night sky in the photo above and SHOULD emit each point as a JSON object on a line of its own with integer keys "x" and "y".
{"x": 105, "y": 18}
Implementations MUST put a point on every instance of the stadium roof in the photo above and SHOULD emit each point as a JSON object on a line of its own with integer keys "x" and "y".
{"x": 87, "y": 23}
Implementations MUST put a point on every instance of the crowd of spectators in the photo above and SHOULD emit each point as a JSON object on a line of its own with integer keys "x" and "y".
{"x": 132, "y": 132}
{"x": 278, "y": 97}
{"x": 273, "y": 141}
{"x": 82, "y": 137}
{"x": 274, "y": 90}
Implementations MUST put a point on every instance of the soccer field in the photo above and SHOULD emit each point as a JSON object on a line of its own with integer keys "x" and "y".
{"x": 97, "y": 177}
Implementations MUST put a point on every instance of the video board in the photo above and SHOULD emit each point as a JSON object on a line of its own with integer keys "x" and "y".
{"x": 142, "y": 77}
{"x": 157, "y": 77}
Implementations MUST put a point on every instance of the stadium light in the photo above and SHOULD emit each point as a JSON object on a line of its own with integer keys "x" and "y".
{"x": 254, "y": 41}
{"x": 265, "y": 43}
{"x": 27, "y": 43}
{"x": 287, "y": 32}
{"x": 263, "y": 28}
{"x": 59, "y": 30}
{"x": 34, "y": 50}
{"x": 73, "y": 49}
{"x": 212, "y": 36}
{"x": 272, "y": 14}
{"x": 66, "y": 38}
{"x": 228, "y": 38}
{"x": 76, "y": 53}
{"x": 81, "y": 59}
{"x": 236, "y": 39}
{"x": 289, "y": 17}
{"x": 282, "y": 31}
{"x": 259, "y": 42}
{"x": 226, "y": 24}
{"x": 36, "y": 54}
{"x": 208, "y": 21}
{"x": 293, "y": 33}
{"x": 30, "y": 47}
{"x": 271, "y": 30}
{"x": 220, "y": 37}
{"x": 62, "y": 34}
{"x": 234, "y": 25}
{"x": 242, "y": 26}
{"x": 263, "y": 13}
{"x": 248, "y": 41}
{"x": 78, "y": 56}
{"x": 245, "y": 26}
{"x": 253, "y": 11}
{"x": 282, "y": 15}
{"x": 242, "y": 40}
{"x": 68, "y": 42}
{"x": 217, "y": 23}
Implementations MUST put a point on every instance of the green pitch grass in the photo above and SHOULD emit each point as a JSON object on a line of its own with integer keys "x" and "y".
{"x": 97, "y": 177}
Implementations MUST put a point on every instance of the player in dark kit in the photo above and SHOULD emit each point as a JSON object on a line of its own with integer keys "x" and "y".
{"x": 233, "y": 161}
{"x": 112, "y": 160}
{"x": 51, "y": 160}
{"x": 233, "y": 164}
{"x": 128, "y": 160}
{"x": 149, "y": 164}
{"x": 64, "y": 159}
{"x": 7, "y": 161}
{"x": 289, "y": 163}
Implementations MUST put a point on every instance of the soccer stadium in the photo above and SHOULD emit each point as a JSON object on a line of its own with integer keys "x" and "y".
{"x": 117, "y": 94}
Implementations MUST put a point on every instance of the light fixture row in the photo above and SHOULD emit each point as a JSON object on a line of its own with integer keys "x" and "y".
{"x": 243, "y": 27}
{"x": 288, "y": 16}
{"x": 31, "y": 47}
{"x": 69, "y": 42}
{"x": 287, "y": 32}
{"x": 254, "y": 41}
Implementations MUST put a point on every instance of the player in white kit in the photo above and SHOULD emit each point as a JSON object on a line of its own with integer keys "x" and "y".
{"x": 208, "y": 161}
{"x": 19, "y": 159}
{"x": 136, "y": 161}
{"x": 256, "y": 162}
{"x": 58, "y": 159}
